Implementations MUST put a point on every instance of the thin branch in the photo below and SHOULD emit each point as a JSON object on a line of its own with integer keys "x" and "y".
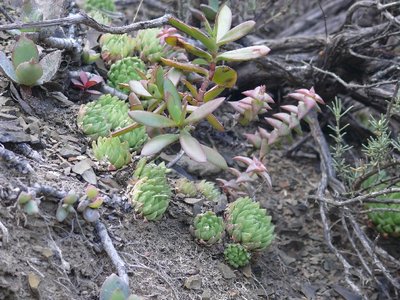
{"x": 6, "y": 236}
{"x": 111, "y": 252}
{"x": 14, "y": 161}
{"x": 82, "y": 18}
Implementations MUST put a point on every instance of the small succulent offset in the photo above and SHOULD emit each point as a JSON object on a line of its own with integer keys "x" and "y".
{"x": 150, "y": 192}
{"x": 186, "y": 187}
{"x": 209, "y": 190}
{"x": 66, "y": 206}
{"x": 114, "y": 288}
{"x": 113, "y": 151}
{"x": 25, "y": 67}
{"x": 115, "y": 47}
{"x": 149, "y": 45}
{"x": 86, "y": 83}
{"x": 236, "y": 255}
{"x": 124, "y": 70}
{"x": 28, "y": 202}
{"x": 90, "y": 203}
{"x": 249, "y": 225}
{"x": 208, "y": 228}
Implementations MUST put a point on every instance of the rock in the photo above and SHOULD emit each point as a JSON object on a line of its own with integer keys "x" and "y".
{"x": 206, "y": 295}
{"x": 193, "y": 282}
{"x": 226, "y": 271}
{"x": 34, "y": 282}
{"x": 67, "y": 151}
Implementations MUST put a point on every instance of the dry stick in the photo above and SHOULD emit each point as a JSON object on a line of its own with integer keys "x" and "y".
{"x": 112, "y": 253}
{"x": 82, "y": 18}
{"x": 367, "y": 245}
{"x": 326, "y": 177}
{"x": 14, "y": 161}
{"x": 6, "y": 236}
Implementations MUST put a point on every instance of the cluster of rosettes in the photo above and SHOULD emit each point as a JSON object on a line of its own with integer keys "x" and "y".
{"x": 248, "y": 226}
{"x": 150, "y": 194}
{"x": 113, "y": 151}
{"x": 149, "y": 46}
{"x": 125, "y": 70}
{"x": 116, "y": 46}
{"x": 206, "y": 188}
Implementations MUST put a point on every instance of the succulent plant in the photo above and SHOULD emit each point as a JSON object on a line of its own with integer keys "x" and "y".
{"x": 151, "y": 193}
{"x": 249, "y": 225}
{"x": 93, "y": 5}
{"x": 209, "y": 190}
{"x": 90, "y": 203}
{"x": 114, "y": 288}
{"x": 25, "y": 67}
{"x": 386, "y": 222}
{"x": 116, "y": 46}
{"x": 125, "y": 70}
{"x": 99, "y": 118}
{"x": 208, "y": 228}
{"x": 149, "y": 46}
{"x": 186, "y": 187}
{"x": 236, "y": 255}
{"x": 28, "y": 202}
{"x": 66, "y": 207}
{"x": 99, "y": 17}
{"x": 112, "y": 150}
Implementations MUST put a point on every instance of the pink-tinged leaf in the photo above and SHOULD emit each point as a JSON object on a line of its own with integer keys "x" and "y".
{"x": 236, "y": 33}
{"x": 283, "y": 117}
{"x": 77, "y": 83}
{"x": 203, "y": 111}
{"x": 243, "y": 54}
{"x": 179, "y": 42}
{"x": 214, "y": 157}
{"x": 223, "y": 22}
{"x": 264, "y": 133}
{"x": 244, "y": 177}
{"x": 224, "y": 76}
{"x": 194, "y": 33}
{"x": 93, "y": 92}
{"x": 192, "y": 147}
{"x": 83, "y": 76}
{"x": 254, "y": 139}
{"x": 244, "y": 159}
{"x": 174, "y": 75}
{"x": 90, "y": 83}
{"x": 134, "y": 102}
{"x": 151, "y": 119}
{"x": 158, "y": 143}
{"x": 237, "y": 107}
{"x": 138, "y": 88}
{"x": 187, "y": 67}
{"x": 290, "y": 108}
{"x": 213, "y": 93}
{"x": 273, "y": 137}
{"x": 173, "y": 100}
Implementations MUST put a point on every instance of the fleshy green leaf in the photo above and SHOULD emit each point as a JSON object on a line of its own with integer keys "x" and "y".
{"x": 188, "y": 67}
{"x": 204, "y": 110}
{"x": 213, "y": 92}
{"x": 158, "y": 143}
{"x": 114, "y": 286}
{"x": 223, "y": 22}
{"x": 190, "y": 87}
{"x": 151, "y": 119}
{"x": 7, "y": 68}
{"x": 173, "y": 100}
{"x": 50, "y": 64}
{"x": 160, "y": 79}
{"x": 178, "y": 42}
{"x": 208, "y": 11}
{"x": 192, "y": 147}
{"x": 237, "y": 32}
{"x": 194, "y": 33}
{"x": 242, "y": 54}
{"x": 224, "y": 76}
{"x": 138, "y": 88}
{"x": 200, "y": 62}
{"x": 174, "y": 75}
{"x": 215, "y": 157}
{"x": 24, "y": 50}
{"x": 215, "y": 123}
{"x": 28, "y": 73}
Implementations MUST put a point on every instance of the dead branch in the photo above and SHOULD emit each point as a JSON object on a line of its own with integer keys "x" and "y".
{"x": 84, "y": 19}
{"x": 13, "y": 161}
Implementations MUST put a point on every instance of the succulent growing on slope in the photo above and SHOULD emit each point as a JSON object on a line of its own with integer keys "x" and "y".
{"x": 116, "y": 46}
{"x": 99, "y": 118}
{"x": 112, "y": 150}
{"x": 151, "y": 193}
{"x": 25, "y": 67}
{"x": 125, "y": 70}
{"x": 208, "y": 228}
{"x": 186, "y": 187}
{"x": 209, "y": 190}
{"x": 386, "y": 222}
{"x": 249, "y": 225}
{"x": 149, "y": 45}
{"x": 236, "y": 255}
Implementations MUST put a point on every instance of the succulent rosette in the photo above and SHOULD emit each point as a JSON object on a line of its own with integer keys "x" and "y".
{"x": 209, "y": 190}
{"x": 125, "y": 70}
{"x": 186, "y": 187}
{"x": 249, "y": 225}
{"x": 116, "y": 46}
{"x": 236, "y": 255}
{"x": 114, "y": 151}
{"x": 208, "y": 228}
{"x": 149, "y": 46}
